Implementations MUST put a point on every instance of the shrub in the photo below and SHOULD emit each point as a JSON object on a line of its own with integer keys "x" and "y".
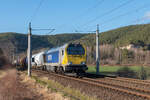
{"x": 127, "y": 55}
{"x": 142, "y": 73}
{"x": 126, "y": 72}
{"x": 2, "y": 61}
{"x": 1, "y": 52}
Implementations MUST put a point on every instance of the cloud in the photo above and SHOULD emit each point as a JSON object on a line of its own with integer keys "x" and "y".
{"x": 147, "y": 15}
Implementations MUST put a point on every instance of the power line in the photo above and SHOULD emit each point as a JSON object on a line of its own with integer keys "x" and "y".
{"x": 85, "y": 12}
{"x": 96, "y": 5}
{"x": 134, "y": 21}
{"x": 50, "y": 30}
{"x": 36, "y": 10}
{"x": 91, "y": 8}
{"x": 78, "y": 31}
{"x": 34, "y": 15}
{"x": 125, "y": 14}
{"x": 109, "y": 12}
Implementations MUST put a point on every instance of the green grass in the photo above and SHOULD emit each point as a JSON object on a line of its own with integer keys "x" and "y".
{"x": 110, "y": 69}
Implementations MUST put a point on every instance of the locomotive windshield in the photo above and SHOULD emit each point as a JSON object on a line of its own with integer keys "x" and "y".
{"x": 75, "y": 49}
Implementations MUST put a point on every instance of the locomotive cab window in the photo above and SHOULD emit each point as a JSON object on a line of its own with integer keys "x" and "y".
{"x": 75, "y": 49}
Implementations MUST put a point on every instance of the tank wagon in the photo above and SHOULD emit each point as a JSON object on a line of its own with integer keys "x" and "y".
{"x": 38, "y": 60}
{"x": 21, "y": 64}
{"x": 69, "y": 58}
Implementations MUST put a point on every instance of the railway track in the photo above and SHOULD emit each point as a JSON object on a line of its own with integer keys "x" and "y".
{"x": 124, "y": 91}
{"x": 130, "y": 88}
{"x": 142, "y": 84}
{"x": 133, "y": 83}
{"x": 134, "y": 80}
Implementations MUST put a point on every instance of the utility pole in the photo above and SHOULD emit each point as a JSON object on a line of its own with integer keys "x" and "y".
{"x": 29, "y": 50}
{"x": 97, "y": 50}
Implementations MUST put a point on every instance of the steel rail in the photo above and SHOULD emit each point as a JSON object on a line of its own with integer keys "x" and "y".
{"x": 125, "y": 90}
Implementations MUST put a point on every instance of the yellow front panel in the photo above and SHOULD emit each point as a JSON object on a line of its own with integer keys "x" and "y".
{"x": 75, "y": 59}
{"x": 65, "y": 59}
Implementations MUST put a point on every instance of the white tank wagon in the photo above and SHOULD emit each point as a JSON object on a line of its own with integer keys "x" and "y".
{"x": 38, "y": 60}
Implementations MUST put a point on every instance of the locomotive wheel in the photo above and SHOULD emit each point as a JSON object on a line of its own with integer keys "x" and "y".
{"x": 56, "y": 70}
{"x": 43, "y": 68}
{"x": 61, "y": 70}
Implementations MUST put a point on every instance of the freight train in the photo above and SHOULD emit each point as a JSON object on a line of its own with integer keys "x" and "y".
{"x": 69, "y": 59}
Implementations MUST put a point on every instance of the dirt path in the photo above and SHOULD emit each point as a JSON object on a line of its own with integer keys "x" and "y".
{"x": 12, "y": 89}
{"x": 16, "y": 85}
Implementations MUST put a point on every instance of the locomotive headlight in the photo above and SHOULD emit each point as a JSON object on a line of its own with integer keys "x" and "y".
{"x": 69, "y": 63}
{"x": 83, "y": 63}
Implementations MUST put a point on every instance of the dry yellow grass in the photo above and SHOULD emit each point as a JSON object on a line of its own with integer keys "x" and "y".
{"x": 65, "y": 91}
{"x": 2, "y": 73}
{"x": 12, "y": 89}
{"x": 43, "y": 90}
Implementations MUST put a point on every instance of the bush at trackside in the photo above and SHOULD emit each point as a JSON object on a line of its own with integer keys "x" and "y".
{"x": 126, "y": 72}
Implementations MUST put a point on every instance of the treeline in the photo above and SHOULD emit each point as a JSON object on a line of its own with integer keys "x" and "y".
{"x": 138, "y": 35}
{"x": 19, "y": 41}
{"x": 110, "y": 55}
{"x": 15, "y": 43}
{"x": 110, "y": 41}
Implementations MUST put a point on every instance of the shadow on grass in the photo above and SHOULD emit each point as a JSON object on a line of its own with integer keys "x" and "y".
{"x": 101, "y": 74}
{"x": 122, "y": 72}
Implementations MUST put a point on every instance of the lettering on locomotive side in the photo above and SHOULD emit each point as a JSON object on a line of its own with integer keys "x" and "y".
{"x": 50, "y": 57}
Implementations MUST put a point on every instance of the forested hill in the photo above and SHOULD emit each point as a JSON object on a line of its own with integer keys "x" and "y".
{"x": 135, "y": 34}
{"x": 19, "y": 41}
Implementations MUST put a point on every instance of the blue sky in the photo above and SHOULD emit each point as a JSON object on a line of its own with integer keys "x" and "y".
{"x": 68, "y": 16}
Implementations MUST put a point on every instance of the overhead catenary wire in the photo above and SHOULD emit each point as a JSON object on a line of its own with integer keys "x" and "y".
{"x": 125, "y": 14}
{"x": 77, "y": 31}
{"x": 108, "y": 12}
{"x": 96, "y": 5}
{"x": 104, "y": 23}
{"x": 48, "y": 29}
{"x": 35, "y": 14}
{"x": 100, "y": 2}
{"x": 29, "y": 50}
{"x": 130, "y": 12}
{"x": 91, "y": 8}
{"x": 133, "y": 22}
{"x": 36, "y": 11}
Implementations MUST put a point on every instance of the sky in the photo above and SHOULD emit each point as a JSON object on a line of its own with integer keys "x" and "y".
{"x": 70, "y": 16}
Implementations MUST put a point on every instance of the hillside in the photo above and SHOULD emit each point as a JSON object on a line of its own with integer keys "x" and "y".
{"x": 19, "y": 41}
{"x": 135, "y": 34}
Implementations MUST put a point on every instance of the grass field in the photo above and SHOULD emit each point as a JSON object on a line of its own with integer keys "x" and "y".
{"x": 112, "y": 69}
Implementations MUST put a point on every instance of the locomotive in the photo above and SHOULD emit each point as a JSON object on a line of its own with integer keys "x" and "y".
{"x": 69, "y": 59}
